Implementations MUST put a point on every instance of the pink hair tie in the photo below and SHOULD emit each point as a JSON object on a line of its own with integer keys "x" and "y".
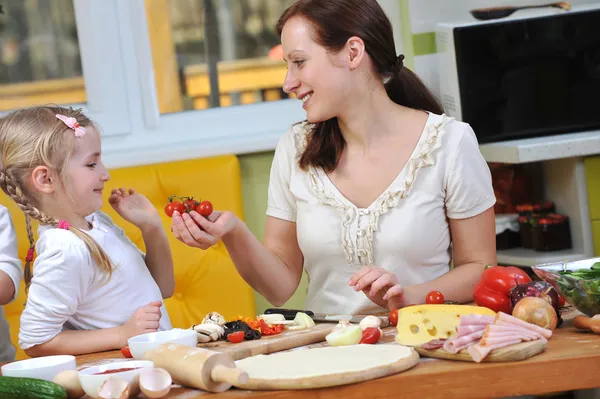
{"x": 73, "y": 124}
{"x": 63, "y": 224}
{"x": 29, "y": 257}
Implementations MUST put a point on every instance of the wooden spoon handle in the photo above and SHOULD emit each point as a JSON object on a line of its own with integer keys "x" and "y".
{"x": 230, "y": 375}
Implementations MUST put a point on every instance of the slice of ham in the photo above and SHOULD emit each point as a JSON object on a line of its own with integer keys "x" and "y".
{"x": 495, "y": 339}
{"x": 523, "y": 336}
{"x": 433, "y": 344}
{"x": 479, "y": 352}
{"x": 466, "y": 330}
{"x": 476, "y": 320}
{"x": 501, "y": 316}
{"x": 456, "y": 344}
{"x": 502, "y": 330}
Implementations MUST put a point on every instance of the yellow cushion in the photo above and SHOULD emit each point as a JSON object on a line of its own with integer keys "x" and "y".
{"x": 205, "y": 280}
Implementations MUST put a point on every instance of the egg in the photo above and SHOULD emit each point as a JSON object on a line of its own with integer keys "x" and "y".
{"x": 155, "y": 382}
{"x": 69, "y": 380}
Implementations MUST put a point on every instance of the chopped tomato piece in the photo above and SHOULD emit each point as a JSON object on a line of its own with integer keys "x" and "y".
{"x": 235, "y": 337}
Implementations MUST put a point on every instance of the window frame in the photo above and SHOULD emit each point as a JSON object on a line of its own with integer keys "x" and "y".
{"x": 116, "y": 57}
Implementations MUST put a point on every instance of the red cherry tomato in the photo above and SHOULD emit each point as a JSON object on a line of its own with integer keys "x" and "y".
{"x": 235, "y": 337}
{"x": 126, "y": 352}
{"x": 190, "y": 204}
{"x": 174, "y": 206}
{"x": 205, "y": 208}
{"x": 434, "y": 297}
{"x": 370, "y": 335}
{"x": 393, "y": 317}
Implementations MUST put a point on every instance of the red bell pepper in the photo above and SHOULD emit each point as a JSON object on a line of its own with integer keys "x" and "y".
{"x": 268, "y": 329}
{"x": 493, "y": 290}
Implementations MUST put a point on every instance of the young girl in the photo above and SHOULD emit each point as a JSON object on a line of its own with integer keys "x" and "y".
{"x": 91, "y": 289}
{"x": 10, "y": 278}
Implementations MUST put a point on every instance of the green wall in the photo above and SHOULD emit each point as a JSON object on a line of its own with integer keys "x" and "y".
{"x": 255, "y": 182}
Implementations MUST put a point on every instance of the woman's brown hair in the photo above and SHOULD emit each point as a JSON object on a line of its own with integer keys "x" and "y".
{"x": 334, "y": 22}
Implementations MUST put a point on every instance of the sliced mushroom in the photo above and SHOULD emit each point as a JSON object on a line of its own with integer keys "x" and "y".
{"x": 214, "y": 318}
{"x": 214, "y": 331}
{"x": 202, "y": 339}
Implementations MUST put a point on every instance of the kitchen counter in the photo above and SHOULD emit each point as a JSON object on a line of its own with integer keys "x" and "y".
{"x": 546, "y": 148}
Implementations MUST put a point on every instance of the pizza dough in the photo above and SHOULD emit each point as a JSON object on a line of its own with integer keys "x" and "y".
{"x": 328, "y": 361}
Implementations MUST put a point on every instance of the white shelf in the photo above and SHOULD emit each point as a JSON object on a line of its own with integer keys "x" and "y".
{"x": 529, "y": 257}
{"x": 537, "y": 149}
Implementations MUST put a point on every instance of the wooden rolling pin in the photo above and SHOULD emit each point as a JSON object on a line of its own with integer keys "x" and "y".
{"x": 587, "y": 323}
{"x": 197, "y": 367}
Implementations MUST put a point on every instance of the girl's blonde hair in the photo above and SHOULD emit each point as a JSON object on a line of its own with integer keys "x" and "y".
{"x": 34, "y": 137}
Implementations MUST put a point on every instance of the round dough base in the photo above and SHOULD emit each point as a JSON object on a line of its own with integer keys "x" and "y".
{"x": 326, "y": 367}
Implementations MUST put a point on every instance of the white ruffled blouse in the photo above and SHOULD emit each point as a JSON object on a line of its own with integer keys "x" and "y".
{"x": 405, "y": 230}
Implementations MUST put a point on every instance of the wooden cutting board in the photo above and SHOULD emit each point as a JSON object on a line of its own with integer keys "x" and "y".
{"x": 337, "y": 366}
{"x": 512, "y": 353}
{"x": 271, "y": 343}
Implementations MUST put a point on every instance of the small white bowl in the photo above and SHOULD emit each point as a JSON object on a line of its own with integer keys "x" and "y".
{"x": 45, "y": 368}
{"x": 140, "y": 344}
{"x": 91, "y": 381}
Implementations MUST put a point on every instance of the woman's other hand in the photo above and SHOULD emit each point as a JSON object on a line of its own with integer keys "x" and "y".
{"x": 197, "y": 231}
{"x": 380, "y": 286}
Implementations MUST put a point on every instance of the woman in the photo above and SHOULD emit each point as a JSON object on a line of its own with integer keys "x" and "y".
{"x": 376, "y": 193}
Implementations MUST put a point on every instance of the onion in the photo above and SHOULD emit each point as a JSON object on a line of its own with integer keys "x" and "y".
{"x": 345, "y": 336}
{"x": 536, "y": 311}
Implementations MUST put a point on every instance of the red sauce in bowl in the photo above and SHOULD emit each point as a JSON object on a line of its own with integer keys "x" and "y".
{"x": 117, "y": 370}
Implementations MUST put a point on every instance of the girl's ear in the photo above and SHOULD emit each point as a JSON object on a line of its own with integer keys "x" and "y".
{"x": 43, "y": 180}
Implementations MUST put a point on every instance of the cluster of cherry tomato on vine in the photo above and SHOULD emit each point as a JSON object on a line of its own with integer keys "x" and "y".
{"x": 187, "y": 205}
{"x": 434, "y": 297}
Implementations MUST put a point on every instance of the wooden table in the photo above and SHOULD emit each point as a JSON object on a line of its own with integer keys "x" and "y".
{"x": 571, "y": 362}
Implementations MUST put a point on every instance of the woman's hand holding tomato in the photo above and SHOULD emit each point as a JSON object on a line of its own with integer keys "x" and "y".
{"x": 202, "y": 232}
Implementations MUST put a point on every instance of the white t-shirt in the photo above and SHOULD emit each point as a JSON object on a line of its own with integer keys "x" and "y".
{"x": 69, "y": 291}
{"x": 11, "y": 265}
{"x": 406, "y": 228}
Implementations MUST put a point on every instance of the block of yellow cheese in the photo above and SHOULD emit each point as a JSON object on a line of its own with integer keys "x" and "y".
{"x": 422, "y": 323}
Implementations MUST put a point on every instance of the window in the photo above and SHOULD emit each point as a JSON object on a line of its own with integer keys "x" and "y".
{"x": 39, "y": 54}
{"x": 212, "y": 53}
{"x": 147, "y": 80}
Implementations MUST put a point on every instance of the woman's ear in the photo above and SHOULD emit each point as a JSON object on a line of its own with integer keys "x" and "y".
{"x": 356, "y": 51}
{"x": 43, "y": 180}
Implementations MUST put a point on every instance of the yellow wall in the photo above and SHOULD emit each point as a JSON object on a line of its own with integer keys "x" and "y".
{"x": 255, "y": 181}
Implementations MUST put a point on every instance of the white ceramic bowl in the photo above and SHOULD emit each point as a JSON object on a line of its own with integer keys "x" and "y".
{"x": 44, "y": 368}
{"x": 140, "y": 344}
{"x": 91, "y": 380}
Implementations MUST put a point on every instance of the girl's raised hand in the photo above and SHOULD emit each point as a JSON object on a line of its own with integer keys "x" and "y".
{"x": 133, "y": 207}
